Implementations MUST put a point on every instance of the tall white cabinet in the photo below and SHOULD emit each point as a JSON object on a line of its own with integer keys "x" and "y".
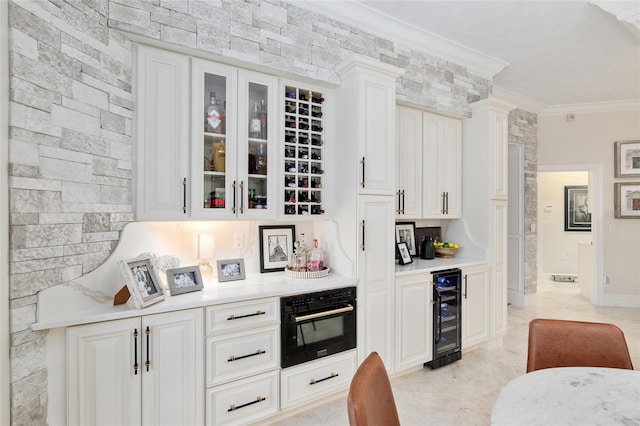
{"x": 143, "y": 370}
{"x": 485, "y": 182}
{"x": 366, "y": 164}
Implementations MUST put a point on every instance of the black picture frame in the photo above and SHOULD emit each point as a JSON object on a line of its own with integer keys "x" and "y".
{"x": 404, "y": 256}
{"x": 276, "y": 246}
{"x": 577, "y": 216}
{"x": 406, "y": 232}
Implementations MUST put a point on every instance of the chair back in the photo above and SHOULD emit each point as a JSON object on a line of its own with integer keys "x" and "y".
{"x": 370, "y": 401}
{"x": 562, "y": 343}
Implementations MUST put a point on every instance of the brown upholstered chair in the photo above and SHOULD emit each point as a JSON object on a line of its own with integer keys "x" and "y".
{"x": 562, "y": 343}
{"x": 370, "y": 401}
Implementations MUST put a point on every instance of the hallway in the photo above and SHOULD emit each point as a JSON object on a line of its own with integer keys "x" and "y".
{"x": 463, "y": 393}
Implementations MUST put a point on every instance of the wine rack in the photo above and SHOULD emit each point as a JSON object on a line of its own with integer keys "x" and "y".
{"x": 303, "y": 152}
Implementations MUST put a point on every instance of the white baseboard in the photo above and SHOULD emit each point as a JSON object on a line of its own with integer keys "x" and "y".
{"x": 621, "y": 300}
{"x": 516, "y": 298}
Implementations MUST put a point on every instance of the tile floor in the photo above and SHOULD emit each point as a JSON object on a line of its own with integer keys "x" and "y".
{"x": 463, "y": 393}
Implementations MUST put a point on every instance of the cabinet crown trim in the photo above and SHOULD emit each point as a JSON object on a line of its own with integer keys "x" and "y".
{"x": 359, "y": 61}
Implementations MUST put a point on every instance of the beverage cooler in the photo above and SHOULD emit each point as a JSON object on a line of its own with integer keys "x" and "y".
{"x": 447, "y": 336}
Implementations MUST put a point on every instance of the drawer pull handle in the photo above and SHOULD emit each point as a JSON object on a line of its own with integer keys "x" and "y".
{"x": 233, "y": 317}
{"x": 234, "y": 407}
{"x": 314, "y": 381}
{"x": 236, "y": 358}
{"x": 347, "y": 308}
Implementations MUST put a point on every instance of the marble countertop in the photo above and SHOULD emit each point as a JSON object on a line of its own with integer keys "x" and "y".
{"x": 439, "y": 263}
{"x": 69, "y": 304}
{"x": 570, "y": 396}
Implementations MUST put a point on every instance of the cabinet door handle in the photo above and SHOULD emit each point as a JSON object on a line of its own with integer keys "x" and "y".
{"x": 234, "y": 407}
{"x": 184, "y": 195}
{"x": 443, "y": 210}
{"x": 403, "y": 201}
{"x": 147, "y": 363}
{"x": 233, "y": 209}
{"x": 241, "y": 196}
{"x": 362, "y": 226}
{"x": 446, "y": 197}
{"x": 398, "y": 193}
{"x": 465, "y": 286}
{"x": 236, "y": 358}
{"x": 135, "y": 351}
{"x": 362, "y": 182}
{"x": 331, "y": 376}
{"x": 234, "y": 317}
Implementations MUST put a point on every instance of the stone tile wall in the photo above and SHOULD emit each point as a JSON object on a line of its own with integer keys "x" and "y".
{"x": 523, "y": 130}
{"x": 71, "y": 110}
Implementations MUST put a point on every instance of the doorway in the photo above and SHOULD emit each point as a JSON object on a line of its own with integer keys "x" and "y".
{"x": 564, "y": 253}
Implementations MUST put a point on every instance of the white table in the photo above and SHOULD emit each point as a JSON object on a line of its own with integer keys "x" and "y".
{"x": 570, "y": 396}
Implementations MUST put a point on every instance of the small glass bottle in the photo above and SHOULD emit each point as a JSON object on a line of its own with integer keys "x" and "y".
{"x": 261, "y": 160}
{"x": 303, "y": 254}
{"x": 315, "y": 260}
{"x": 214, "y": 115}
{"x": 255, "y": 125}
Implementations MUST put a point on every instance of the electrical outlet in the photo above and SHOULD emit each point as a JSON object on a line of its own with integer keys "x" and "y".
{"x": 238, "y": 241}
{"x": 606, "y": 280}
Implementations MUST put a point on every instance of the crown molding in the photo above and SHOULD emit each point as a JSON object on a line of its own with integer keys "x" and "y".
{"x": 520, "y": 101}
{"x": 613, "y": 106}
{"x": 359, "y": 15}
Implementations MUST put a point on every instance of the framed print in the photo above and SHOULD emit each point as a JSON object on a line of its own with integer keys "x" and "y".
{"x": 276, "y": 247}
{"x": 142, "y": 281}
{"x": 231, "y": 270}
{"x": 406, "y": 233}
{"x": 184, "y": 280}
{"x": 627, "y": 200}
{"x": 403, "y": 252}
{"x": 577, "y": 216}
{"x": 627, "y": 158}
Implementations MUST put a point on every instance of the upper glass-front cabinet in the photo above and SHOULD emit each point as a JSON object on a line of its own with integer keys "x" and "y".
{"x": 234, "y": 143}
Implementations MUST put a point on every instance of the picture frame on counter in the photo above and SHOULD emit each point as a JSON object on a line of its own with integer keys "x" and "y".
{"x": 184, "y": 280}
{"x": 142, "y": 281}
{"x": 231, "y": 270}
{"x": 406, "y": 233}
{"x": 627, "y": 200}
{"x": 627, "y": 158}
{"x": 577, "y": 212}
{"x": 403, "y": 253}
{"x": 276, "y": 246}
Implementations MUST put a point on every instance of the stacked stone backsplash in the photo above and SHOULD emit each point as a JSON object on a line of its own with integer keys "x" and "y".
{"x": 71, "y": 112}
{"x": 523, "y": 130}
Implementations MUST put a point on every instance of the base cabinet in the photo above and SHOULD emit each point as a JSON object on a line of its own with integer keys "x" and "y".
{"x": 120, "y": 372}
{"x": 475, "y": 299}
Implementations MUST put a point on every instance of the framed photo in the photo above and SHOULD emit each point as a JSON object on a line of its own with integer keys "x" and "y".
{"x": 577, "y": 214}
{"x": 142, "y": 281}
{"x": 231, "y": 270}
{"x": 406, "y": 233}
{"x": 627, "y": 158}
{"x": 276, "y": 247}
{"x": 184, "y": 280}
{"x": 627, "y": 200}
{"x": 403, "y": 252}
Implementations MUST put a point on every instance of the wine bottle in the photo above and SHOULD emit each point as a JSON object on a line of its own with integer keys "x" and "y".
{"x": 214, "y": 115}
{"x": 261, "y": 160}
{"x": 263, "y": 119}
{"x": 255, "y": 126}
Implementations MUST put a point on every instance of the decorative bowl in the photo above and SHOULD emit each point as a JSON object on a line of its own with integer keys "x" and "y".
{"x": 446, "y": 252}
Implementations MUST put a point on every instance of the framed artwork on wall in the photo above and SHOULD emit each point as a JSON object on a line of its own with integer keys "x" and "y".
{"x": 627, "y": 200}
{"x": 276, "y": 247}
{"x": 577, "y": 213}
{"x": 627, "y": 158}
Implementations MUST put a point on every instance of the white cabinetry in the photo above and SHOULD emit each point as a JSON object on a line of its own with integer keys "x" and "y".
{"x": 146, "y": 370}
{"x": 485, "y": 183}
{"x": 475, "y": 300}
{"x": 428, "y": 169}
{"x": 242, "y": 359}
{"x": 414, "y": 321}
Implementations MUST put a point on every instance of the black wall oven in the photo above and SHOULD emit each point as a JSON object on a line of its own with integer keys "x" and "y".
{"x": 314, "y": 325}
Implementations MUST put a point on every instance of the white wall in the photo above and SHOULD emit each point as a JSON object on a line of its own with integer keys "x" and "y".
{"x": 558, "y": 248}
{"x": 589, "y": 140}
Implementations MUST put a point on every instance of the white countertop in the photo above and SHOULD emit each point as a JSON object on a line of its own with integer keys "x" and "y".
{"x": 570, "y": 396}
{"x": 439, "y": 263}
{"x": 69, "y": 305}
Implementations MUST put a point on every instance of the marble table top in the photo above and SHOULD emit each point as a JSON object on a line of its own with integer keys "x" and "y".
{"x": 570, "y": 396}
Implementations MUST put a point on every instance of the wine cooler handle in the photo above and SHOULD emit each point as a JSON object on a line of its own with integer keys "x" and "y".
{"x": 439, "y": 305}
{"x": 184, "y": 195}
{"x": 135, "y": 351}
{"x": 148, "y": 361}
{"x": 362, "y": 182}
{"x": 241, "y": 196}
{"x": 465, "y": 286}
{"x": 362, "y": 226}
{"x": 233, "y": 209}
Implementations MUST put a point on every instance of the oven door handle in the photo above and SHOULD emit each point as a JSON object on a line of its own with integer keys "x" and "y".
{"x": 347, "y": 308}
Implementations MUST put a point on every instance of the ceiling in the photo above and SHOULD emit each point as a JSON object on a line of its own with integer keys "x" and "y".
{"x": 550, "y": 52}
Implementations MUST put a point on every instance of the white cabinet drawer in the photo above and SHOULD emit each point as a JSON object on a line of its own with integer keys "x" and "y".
{"x": 313, "y": 379}
{"x": 243, "y": 401}
{"x": 241, "y": 315}
{"x": 241, "y": 354}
